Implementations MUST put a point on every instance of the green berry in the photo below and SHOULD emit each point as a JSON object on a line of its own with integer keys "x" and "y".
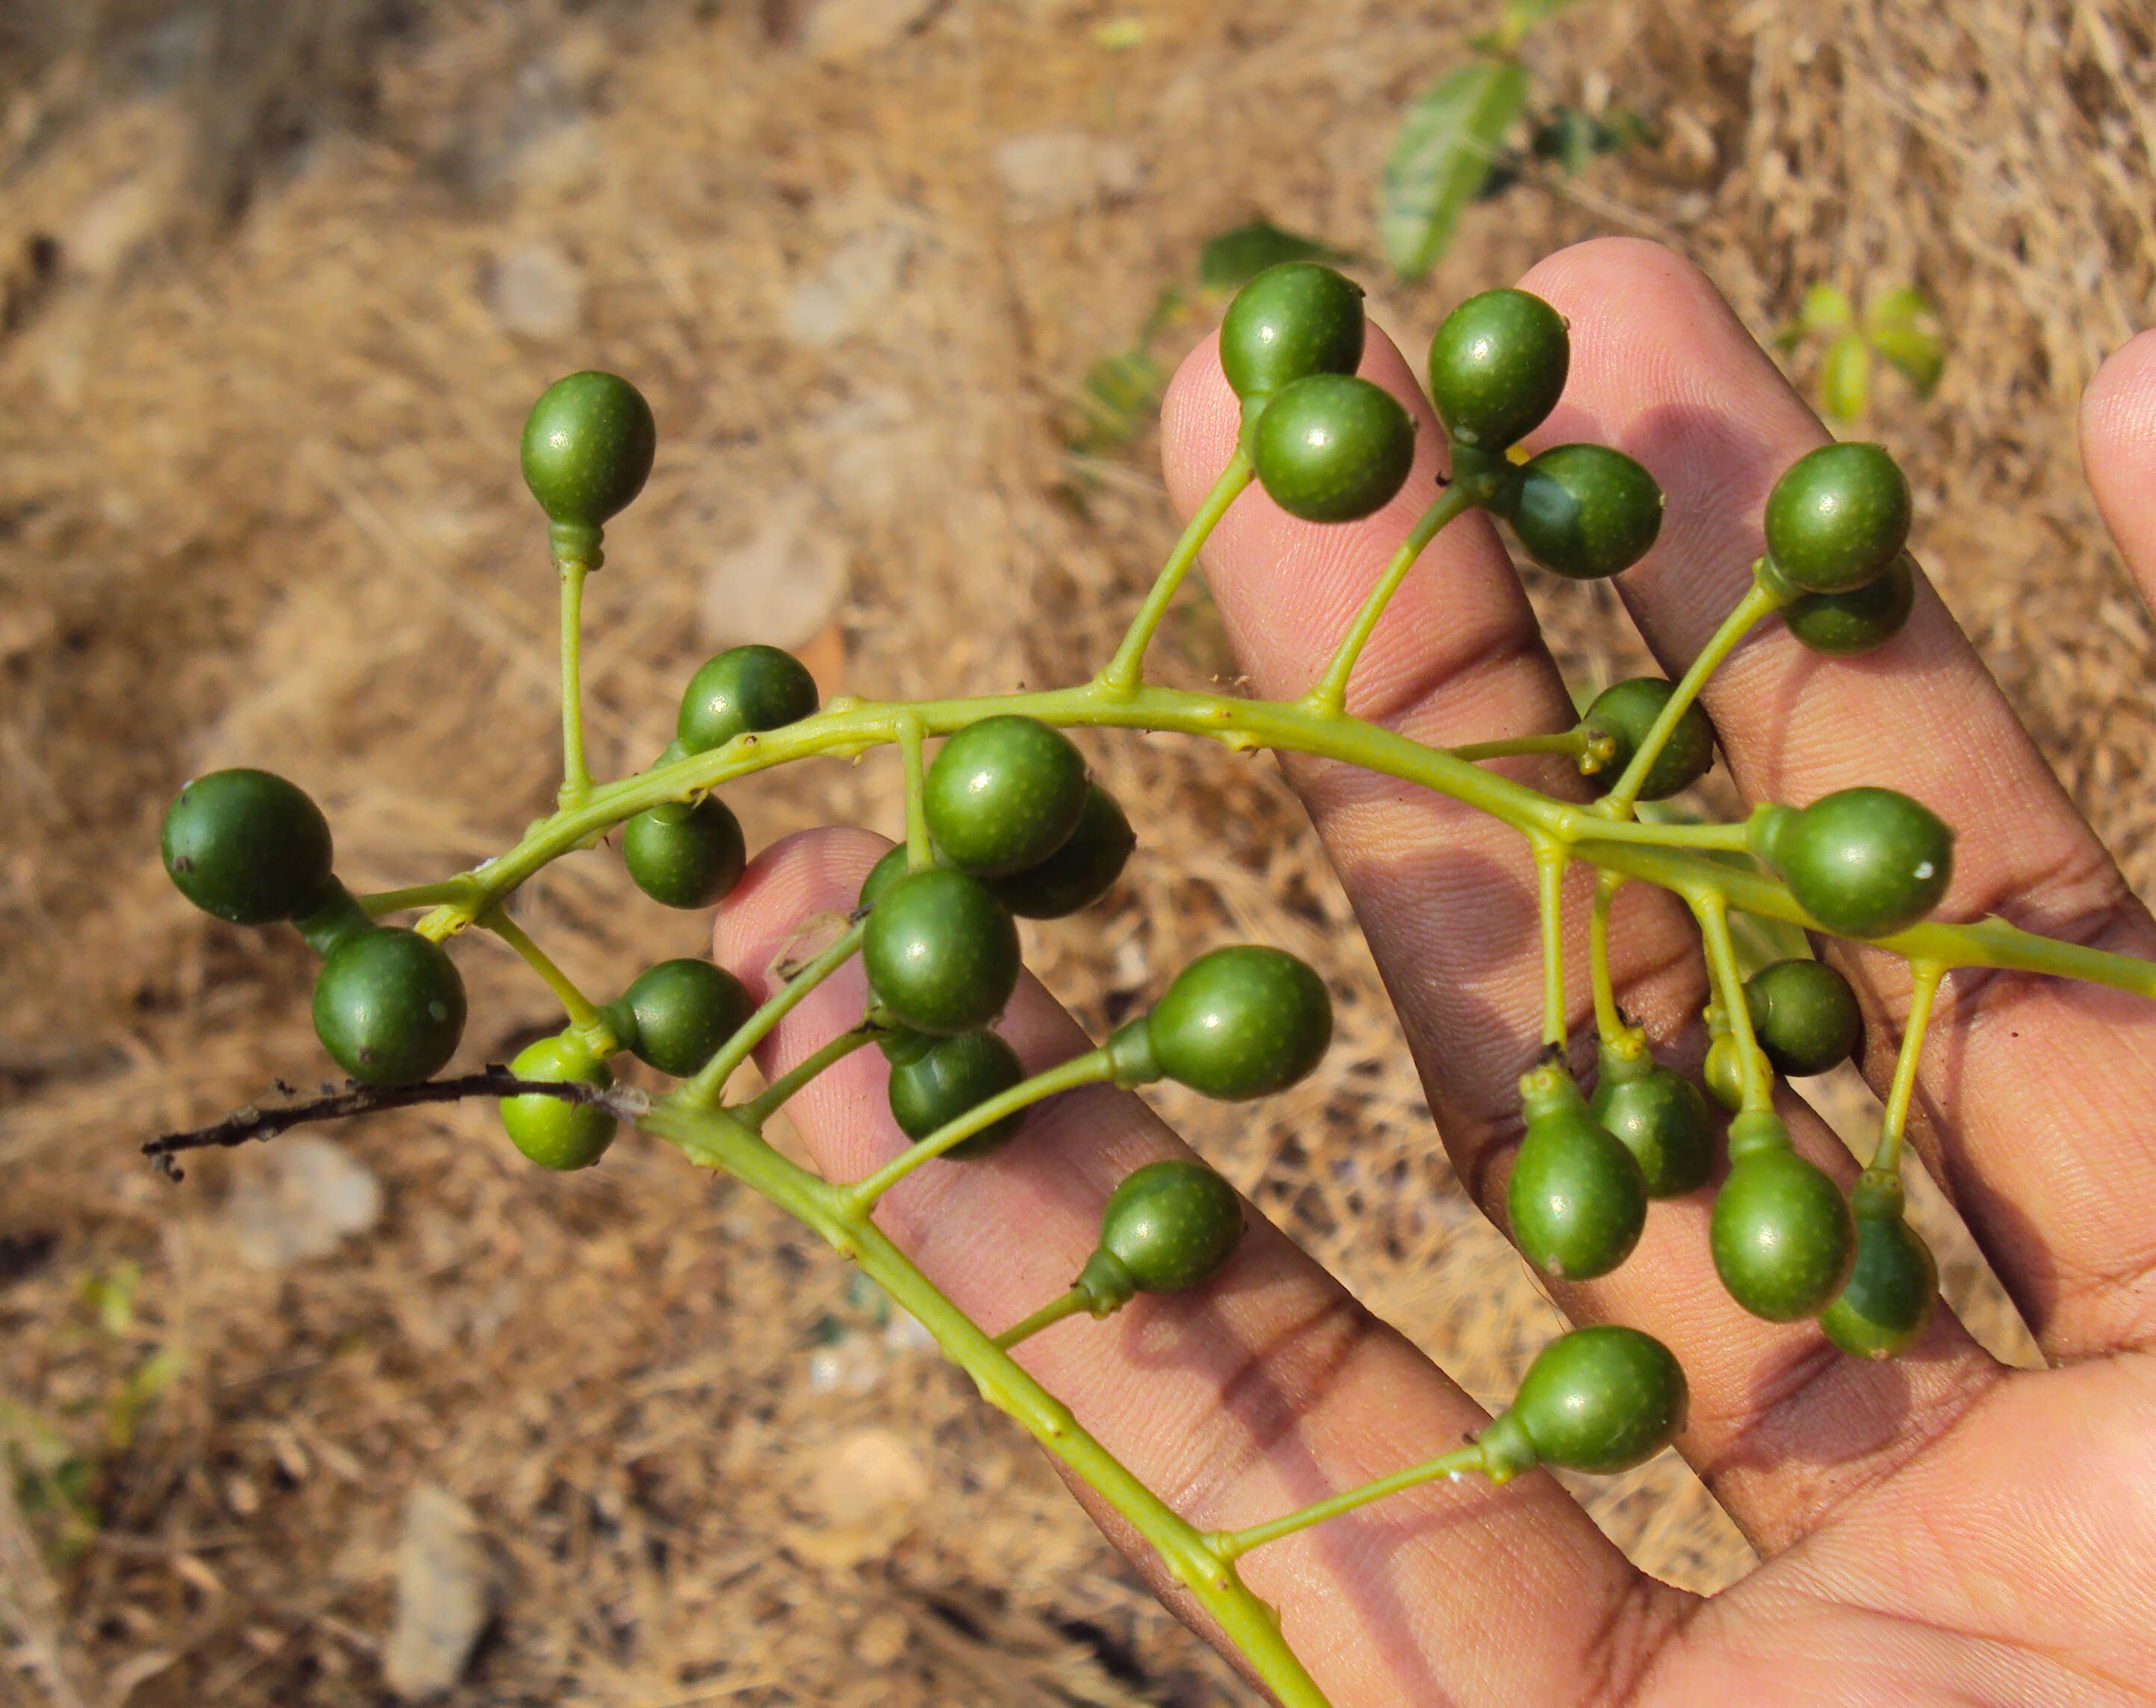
{"x": 745, "y": 688}
{"x": 1625, "y": 712}
{"x": 1576, "y": 1198}
{"x": 1498, "y": 366}
{"x": 886, "y": 872}
{"x": 1864, "y": 862}
{"x": 1171, "y": 1225}
{"x": 1584, "y": 511}
{"x": 1658, "y": 1115}
{"x": 1892, "y": 1291}
{"x": 247, "y": 846}
{"x": 1077, "y": 874}
{"x": 1837, "y": 518}
{"x": 1849, "y": 624}
{"x": 950, "y": 1076}
{"x": 1781, "y": 1234}
{"x": 1333, "y": 448}
{"x": 551, "y": 1132}
{"x": 389, "y": 1006}
{"x": 1804, "y": 1015}
{"x": 587, "y": 448}
{"x": 1723, "y": 1071}
{"x": 1289, "y": 322}
{"x": 1003, "y": 795}
{"x": 683, "y": 856}
{"x": 942, "y": 953}
{"x": 1241, "y": 1022}
{"x": 1600, "y": 1399}
{"x": 681, "y": 1011}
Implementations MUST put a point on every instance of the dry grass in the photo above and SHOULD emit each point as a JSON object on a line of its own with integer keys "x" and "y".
{"x": 258, "y": 502}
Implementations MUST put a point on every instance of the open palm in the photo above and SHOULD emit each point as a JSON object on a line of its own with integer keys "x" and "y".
{"x": 1937, "y": 1529}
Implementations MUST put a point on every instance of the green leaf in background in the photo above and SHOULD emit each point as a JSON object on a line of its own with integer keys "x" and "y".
{"x": 1846, "y": 378}
{"x": 1442, "y": 152}
{"x": 1521, "y": 16}
{"x": 1903, "y": 327}
{"x": 1234, "y": 258}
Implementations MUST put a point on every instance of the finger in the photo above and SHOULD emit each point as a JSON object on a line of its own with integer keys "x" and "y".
{"x": 2036, "y": 1092}
{"x": 2118, "y": 452}
{"x": 1266, "y": 1390}
{"x": 1446, "y": 896}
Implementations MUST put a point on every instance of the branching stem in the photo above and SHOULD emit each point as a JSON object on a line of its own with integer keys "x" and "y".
{"x": 1127, "y": 669}
{"x": 1461, "y": 1461}
{"x": 574, "y": 1004}
{"x": 1551, "y": 861}
{"x": 704, "y": 1090}
{"x": 1067, "y": 1305}
{"x": 1709, "y": 907}
{"x": 1608, "y": 1023}
{"x": 576, "y": 775}
{"x": 918, "y": 852}
{"x": 1924, "y": 978}
{"x": 759, "y": 1108}
{"x": 1330, "y": 696}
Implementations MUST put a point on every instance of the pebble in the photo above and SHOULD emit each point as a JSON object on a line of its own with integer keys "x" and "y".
{"x": 1052, "y": 173}
{"x": 781, "y": 587}
{"x": 305, "y": 1197}
{"x": 854, "y": 284}
{"x": 537, "y": 290}
{"x": 443, "y": 1590}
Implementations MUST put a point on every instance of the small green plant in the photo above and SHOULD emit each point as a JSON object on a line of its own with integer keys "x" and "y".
{"x": 1899, "y": 327}
{"x": 1004, "y": 820}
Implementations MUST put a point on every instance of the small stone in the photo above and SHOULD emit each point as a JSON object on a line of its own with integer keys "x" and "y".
{"x": 864, "y": 1495}
{"x": 855, "y": 282}
{"x": 1052, "y": 173}
{"x": 443, "y": 1588}
{"x": 537, "y": 290}
{"x": 781, "y": 586}
{"x": 304, "y": 1195}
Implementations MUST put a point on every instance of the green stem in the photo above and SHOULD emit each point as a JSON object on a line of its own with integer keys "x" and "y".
{"x": 1088, "y": 1069}
{"x": 1758, "y": 603}
{"x": 1233, "y": 1545}
{"x": 1330, "y": 695}
{"x": 1609, "y": 1021}
{"x": 1924, "y": 978}
{"x": 1551, "y": 860}
{"x": 704, "y": 1090}
{"x": 578, "y": 1008}
{"x": 1067, "y": 1305}
{"x": 419, "y": 895}
{"x": 1570, "y": 744}
{"x": 1711, "y": 912}
{"x": 918, "y": 852}
{"x": 759, "y": 1108}
{"x": 1127, "y": 669}
{"x": 576, "y": 775}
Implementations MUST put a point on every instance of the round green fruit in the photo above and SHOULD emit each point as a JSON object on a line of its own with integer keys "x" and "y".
{"x": 1333, "y": 448}
{"x": 1498, "y": 366}
{"x": 745, "y": 688}
{"x": 1584, "y": 511}
{"x": 1241, "y": 1022}
{"x": 1837, "y": 518}
{"x": 1625, "y": 711}
{"x": 1602, "y": 1400}
{"x": 1079, "y": 873}
{"x": 886, "y": 872}
{"x": 1173, "y": 1226}
{"x": 1291, "y": 321}
{"x": 587, "y": 448}
{"x": 1849, "y": 624}
{"x": 1864, "y": 862}
{"x": 1804, "y": 1015}
{"x": 1659, "y": 1116}
{"x": 1782, "y": 1236}
{"x": 940, "y": 952}
{"x": 684, "y": 856}
{"x": 1576, "y": 1199}
{"x": 950, "y": 1076}
{"x": 1003, "y": 795}
{"x": 680, "y": 1012}
{"x": 1892, "y": 1292}
{"x": 389, "y": 1006}
{"x": 552, "y": 1132}
{"x": 247, "y": 846}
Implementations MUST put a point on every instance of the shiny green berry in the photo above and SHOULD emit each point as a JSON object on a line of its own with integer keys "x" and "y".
{"x": 1577, "y": 1200}
{"x": 389, "y": 1006}
{"x": 1333, "y": 448}
{"x": 1584, "y": 511}
{"x": 745, "y": 688}
{"x": 1849, "y": 624}
{"x": 942, "y": 953}
{"x": 1003, "y": 795}
{"x": 553, "y": 1133}
{"x": 1804, "y": 1015}
{"x": 1892, "y": 1293}
{"x": 1782, "y": 1237}
{"x": 676, "y": 1014}
{"x": 1837, "y": 518}
{"x": 587, "y": 448}
{"x": 1658, "y": 1115}
{"x": 1289, "y": 322}
{"x": 950, "y": 1076}
{"x": 886, "y": 872}
{"x": 1600, "y": 1400}
{"x": 1624, "y": 712}
{"x": 684, "y": 856}
{"x": 1241, "y": 1022}
{"x": 1864, "y": 862}
{"x": 247, "y": 846}
{"x": 1171, "y": 1225}
{"x": 1079, "y": 873}
{"x": 1498, "y": 366}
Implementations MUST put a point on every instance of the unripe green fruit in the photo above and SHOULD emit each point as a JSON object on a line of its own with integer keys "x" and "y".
{"x": 1625, "y": 711}
{"x": 1804, "y": 1015}
{"x": 1864, "y": 862}
{"x": 951, "y": 1076}
{"x": 247, "y": 846}
{"x": 587, "y": 448}
{"x": 1171, "y": 1225}
{"x": 1077, "y": 874}
{"x": 1837, "y": 518}
{"x": 1602, "y": 1400}
{"x": 1893, "y": 1290}
{"x": 683, "y": 856}
{"x": 551, "y": 1132}
{"x": 1849, "y": 624}
{"x": 1576, "y": 1199}
{"x": 1241, "y": 1022}
{"x": 1659, "y": 1116}
{"x": 1498, "y": 366}
{"x": 1723, "y": 1071}
{"x": 940, "y": 952}
{"x": 886, "y": 872}
{"x": 1003, "y": 795}
{"x": 744, "y": 688}
{"x": 1584, "y": 511}
{"x": 1333, "y": 448}
{"x": 1782, "y": 1236}
{"x": 681, "y": 1011}
{"x": 389, "y": 1006}
{"x": 1289, "y": 322}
